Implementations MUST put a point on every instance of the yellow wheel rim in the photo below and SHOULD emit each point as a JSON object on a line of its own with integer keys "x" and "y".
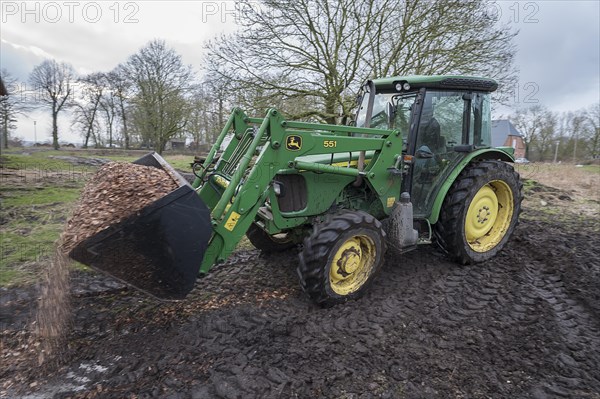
{"x": 352, "y": 264}
{"x": 489, "y": 216}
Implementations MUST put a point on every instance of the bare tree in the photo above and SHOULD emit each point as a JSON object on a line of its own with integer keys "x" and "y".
{"x": 322, "y": 50}
{"x": 109, "y": 106}
{"x": 547, "y": 134}
{"x": 85, "y": 115}
{"x": 53, "y": 84}
{"x": 592, "y": 116}
{"x": 199, "y": 121}
{"x": 120, "y": 87}
{"x": 161, "y": 84}
{"x": 209, "y": 106}
{"x": 11, "y": 105}
{"x": 573, "y": 128}
{"x": 445, "y": 37}
{"x": 85, "y": 120}
{"x": 530, "y": 122}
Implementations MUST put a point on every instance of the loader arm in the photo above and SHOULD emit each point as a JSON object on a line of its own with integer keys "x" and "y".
{"x": 236, "y": 186}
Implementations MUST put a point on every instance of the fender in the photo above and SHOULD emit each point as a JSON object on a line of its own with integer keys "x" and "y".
{"x": 500, "y": 153}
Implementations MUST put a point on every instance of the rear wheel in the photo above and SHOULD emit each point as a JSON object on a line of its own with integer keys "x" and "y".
{"x": 267, "y": 243}
{"x": 480, "y": 212}
{"x": 341, "y": 257}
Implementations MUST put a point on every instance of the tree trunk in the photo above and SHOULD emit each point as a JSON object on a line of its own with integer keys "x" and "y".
{"x": 125, "y": 133}
{"x": 5, "y": 132}
{"x": 160, "y": 146}
{"x": 221, "y": 121}
{"x": 55, "y": 130}
{"x": 330, "y": 110}
{"x": 87, "y": 137}
{"x": 596, "y": 143}
{"x": 90, "y": 129}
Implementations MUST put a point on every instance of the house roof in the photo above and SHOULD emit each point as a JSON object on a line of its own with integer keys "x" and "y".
{"x": 501, "y": 129}
{"x": 3, "y": 91}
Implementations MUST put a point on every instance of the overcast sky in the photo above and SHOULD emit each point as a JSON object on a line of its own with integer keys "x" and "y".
{"x": 558, "y": 42}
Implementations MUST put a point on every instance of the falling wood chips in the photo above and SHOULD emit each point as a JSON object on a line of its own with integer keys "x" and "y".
{"x": 116, "y": 191}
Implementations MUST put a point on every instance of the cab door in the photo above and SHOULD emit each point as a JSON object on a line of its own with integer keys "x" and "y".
{"x": 451, "y": 124}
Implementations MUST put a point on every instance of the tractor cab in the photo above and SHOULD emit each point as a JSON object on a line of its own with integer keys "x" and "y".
{"x": 441, "y": 120}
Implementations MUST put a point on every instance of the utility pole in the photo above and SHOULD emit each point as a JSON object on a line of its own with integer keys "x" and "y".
{"x": 575, "y": 148}
{"x": 34, "y": 134}
{"x": 556, "y": 151}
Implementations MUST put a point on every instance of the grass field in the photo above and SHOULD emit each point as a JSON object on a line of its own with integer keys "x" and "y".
{"x": 37, "y": 192}
{"x": 584, "y": 181}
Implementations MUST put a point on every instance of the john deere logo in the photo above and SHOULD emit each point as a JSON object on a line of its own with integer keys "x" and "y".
{"x": 293, "y": 143}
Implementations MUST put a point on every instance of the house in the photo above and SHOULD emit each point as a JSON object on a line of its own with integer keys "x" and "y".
{"x": 175, "y": 144}
{"x": 504, "y": 134}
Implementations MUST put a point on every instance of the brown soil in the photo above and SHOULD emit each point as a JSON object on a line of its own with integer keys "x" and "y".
{"x": 523, "y": 325}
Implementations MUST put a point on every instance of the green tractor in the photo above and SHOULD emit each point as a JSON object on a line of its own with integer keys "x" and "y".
{"x": 416, "y": 167}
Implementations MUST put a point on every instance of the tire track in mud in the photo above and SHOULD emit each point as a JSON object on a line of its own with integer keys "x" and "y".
{"x": 456, "y": 315}
{"x": 576, "y": 346}
{"x": 522, "y": 325}
{"x": 576, "y": 357}
{"x": 425, "y": 310}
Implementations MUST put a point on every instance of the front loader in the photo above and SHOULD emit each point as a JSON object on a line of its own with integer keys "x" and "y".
{"x": 415, "y": 167}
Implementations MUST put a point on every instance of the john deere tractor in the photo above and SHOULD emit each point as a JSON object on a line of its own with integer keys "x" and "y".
{"x": 415, "y": 167}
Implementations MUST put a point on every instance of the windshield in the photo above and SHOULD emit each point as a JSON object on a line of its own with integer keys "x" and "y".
{"x": 399, "y": 104}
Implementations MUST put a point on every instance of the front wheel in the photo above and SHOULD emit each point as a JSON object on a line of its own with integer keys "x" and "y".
{"x": 480, "y": 212}
{"x": 341, "y": 257}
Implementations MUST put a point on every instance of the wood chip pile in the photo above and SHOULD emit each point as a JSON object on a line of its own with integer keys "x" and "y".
{"x": 116, "y": 191}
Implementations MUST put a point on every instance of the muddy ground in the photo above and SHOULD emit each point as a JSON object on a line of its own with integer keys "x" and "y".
{"x": 524, "y": 325}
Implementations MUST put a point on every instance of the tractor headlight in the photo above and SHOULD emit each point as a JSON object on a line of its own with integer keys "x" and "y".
{"x": 402, "y": 85}
{"x": 277, "y": 189}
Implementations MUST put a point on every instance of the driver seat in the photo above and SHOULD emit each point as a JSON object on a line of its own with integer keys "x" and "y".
{"x": 433, "y": 138}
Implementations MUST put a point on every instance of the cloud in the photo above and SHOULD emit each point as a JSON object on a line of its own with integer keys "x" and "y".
{"x": 558, "y": 40}
{"x": 121, "y": 29}
{"x": 560, "y": 54}
{"x": 19, "y": 60}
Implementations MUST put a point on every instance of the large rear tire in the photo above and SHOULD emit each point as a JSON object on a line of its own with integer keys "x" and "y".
{"x": 341, "y": 257}
{"x": 480, "y": 212}
{"x": 266, "y": 243}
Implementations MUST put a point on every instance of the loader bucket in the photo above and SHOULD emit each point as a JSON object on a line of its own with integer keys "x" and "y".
{"x": 160, "y": 248}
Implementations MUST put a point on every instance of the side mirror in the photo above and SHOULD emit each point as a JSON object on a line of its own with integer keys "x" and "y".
{"x": 391, "y": 112}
